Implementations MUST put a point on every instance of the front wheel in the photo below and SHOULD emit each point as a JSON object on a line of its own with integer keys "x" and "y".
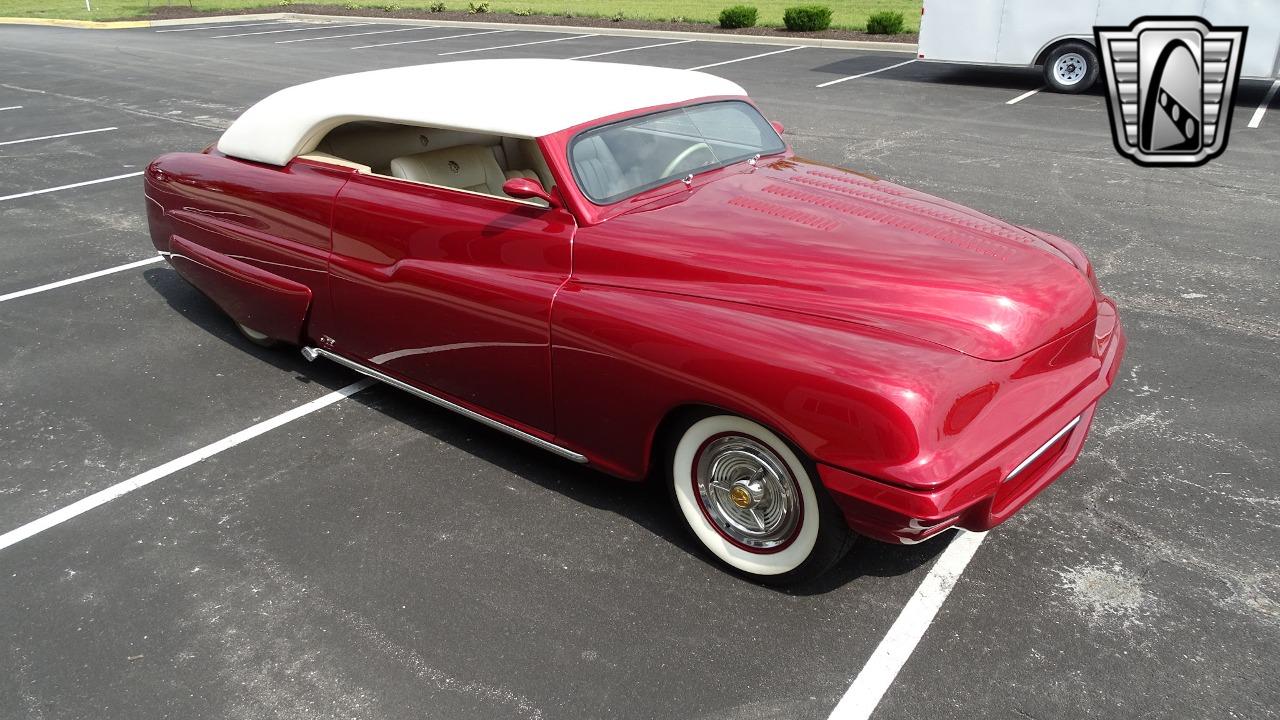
{"x": 1071, "y": 67}
{"x": 753, "y": 502}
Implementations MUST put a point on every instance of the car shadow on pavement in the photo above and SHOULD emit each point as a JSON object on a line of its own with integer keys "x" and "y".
{"x": 643, "y": 503}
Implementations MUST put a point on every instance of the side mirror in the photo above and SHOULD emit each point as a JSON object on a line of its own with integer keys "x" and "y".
{"x": 524, "y": 188}
{"x": 777, "y": 126}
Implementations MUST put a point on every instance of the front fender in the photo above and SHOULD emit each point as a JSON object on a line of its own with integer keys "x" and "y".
{"x": 849, "y": 396}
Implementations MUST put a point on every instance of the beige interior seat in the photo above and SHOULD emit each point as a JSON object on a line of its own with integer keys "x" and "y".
{"x": 465, "y": 167}
{"x": 598, "y": 171}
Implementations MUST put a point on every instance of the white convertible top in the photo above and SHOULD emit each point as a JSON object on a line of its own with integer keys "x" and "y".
{"x": 518, "y": 98}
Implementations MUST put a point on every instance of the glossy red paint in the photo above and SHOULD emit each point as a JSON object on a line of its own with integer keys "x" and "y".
{"x": 917, "y": 351}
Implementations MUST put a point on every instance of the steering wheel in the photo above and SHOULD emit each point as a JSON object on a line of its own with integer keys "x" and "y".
{"x": 685, "y": 155}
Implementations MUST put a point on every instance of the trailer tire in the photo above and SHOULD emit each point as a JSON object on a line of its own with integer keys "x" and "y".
{"x": 1071, "y": 67}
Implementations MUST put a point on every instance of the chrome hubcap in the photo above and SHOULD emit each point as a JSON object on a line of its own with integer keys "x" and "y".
{"x": 747, "y": 492}
{"x": 1070, "y": 68}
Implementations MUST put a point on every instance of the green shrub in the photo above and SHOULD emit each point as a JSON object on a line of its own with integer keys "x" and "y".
{"x": 885, "y": 23}
{"x": 738, "y": 16}
{"x": 522, "y": 12}
{"x": 436, "y": 7}
{"x": 478, "y": 8}
{"x": 390, "y": 7}
{"x": 618, "y": 16}
{"x": 807, "y": 18}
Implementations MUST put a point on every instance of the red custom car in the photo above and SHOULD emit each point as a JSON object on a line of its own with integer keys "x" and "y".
{"x": 646, "y": 279}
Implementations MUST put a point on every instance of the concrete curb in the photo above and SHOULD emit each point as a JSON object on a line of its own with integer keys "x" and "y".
{"x": 214, "y": 19}
{"x": 629, "y": 32}
{"x": 873, "y": 46}
{"x": 79, "y": 24}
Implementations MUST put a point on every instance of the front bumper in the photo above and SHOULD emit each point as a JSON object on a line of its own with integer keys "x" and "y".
{"x": 990, "y": 491}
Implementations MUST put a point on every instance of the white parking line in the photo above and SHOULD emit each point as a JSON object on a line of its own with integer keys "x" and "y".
{"x": 862, "y": 697}
{"x": 12, "y": 107}
{"x": 422, "y": 40}
{"x": 1262, "y": 109}
{"x": 1024, "y": 96}
{"x": 535, "y": 42}
{"x": 367, "y": 32}
{"x": 749, "y": 57}
{"x": 78, "y": 278}
{"x": 323, "y": 26}
{"x": 223, "y": 27}
{"x": 29, "y": 193}
{"x": 103, "y": 497}
{"x": 59, "y": 135}
{"x": 862, "y": 75}
{"x": 642, "y": 47}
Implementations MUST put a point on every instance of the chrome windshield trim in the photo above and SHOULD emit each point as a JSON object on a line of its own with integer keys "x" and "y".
{"x": 1033, "y": 456}
{"x": 311, "y": 353}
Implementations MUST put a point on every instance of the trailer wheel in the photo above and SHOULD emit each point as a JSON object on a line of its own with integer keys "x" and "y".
{"x": 1071, "y": 67}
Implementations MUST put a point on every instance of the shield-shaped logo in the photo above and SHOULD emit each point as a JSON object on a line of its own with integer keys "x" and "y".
{"x": 1170, "y": 84}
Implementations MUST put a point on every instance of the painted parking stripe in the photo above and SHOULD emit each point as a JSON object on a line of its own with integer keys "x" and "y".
{"x": 642, "y": 47}
{"x": 347, "y": 35}
{"x": 1256, "y": 120}
{"x": 223, "y": 27}
{"x": 862, "y": 697}
{"x": 1024, "y": 96}
{"x": 862, "y": 75}
{"x": 59, "y": 135}
{"x": 749, "y": 57}
{"x": 323, "y": 26}
{"x": 103, "y": 497}
{"x": 12, "y": 107}
{"x": 78, "y": 278}
{"x": 422, "y": 40}
{"x": 535, "y": 42}
{"x": 29, "y": 193}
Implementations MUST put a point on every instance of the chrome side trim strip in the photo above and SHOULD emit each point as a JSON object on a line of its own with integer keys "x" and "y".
{"x": 311, "y": 353}
{"x": 1032, "y": 458}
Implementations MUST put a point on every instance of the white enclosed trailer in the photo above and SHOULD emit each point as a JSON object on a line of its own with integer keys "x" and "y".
{"x": 1059, "y": 35}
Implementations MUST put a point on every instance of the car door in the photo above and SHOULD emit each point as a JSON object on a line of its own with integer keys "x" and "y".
{"x": 450, "y": 290}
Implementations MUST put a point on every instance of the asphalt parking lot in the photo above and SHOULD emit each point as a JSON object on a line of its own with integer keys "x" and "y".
{"x": 380, "y": 558}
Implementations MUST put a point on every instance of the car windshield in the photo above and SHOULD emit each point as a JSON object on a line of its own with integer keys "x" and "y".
{"x": 624, "y": 158}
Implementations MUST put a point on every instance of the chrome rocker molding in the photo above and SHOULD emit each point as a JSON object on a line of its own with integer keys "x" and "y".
{"x": 1032, "y": 457}
{"x": 311, "y": 353}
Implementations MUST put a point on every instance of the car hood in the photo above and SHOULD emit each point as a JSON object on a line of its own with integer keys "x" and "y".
{"x": 800, "y": 236}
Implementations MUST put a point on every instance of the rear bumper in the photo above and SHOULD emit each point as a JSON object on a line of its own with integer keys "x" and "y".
{"x": 991, "y": 491}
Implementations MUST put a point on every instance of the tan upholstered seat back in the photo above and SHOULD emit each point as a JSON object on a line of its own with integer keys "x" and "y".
{"x": 465, "y": 167}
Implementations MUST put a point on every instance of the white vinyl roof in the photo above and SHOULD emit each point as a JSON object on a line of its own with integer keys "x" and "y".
{"x": 518, "y": 98}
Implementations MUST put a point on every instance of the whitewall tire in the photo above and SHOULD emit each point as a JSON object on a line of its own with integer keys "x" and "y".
{"x": 752, "y": 501}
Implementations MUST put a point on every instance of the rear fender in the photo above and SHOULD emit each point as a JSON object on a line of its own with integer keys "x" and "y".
{"x": 260, "y": 300}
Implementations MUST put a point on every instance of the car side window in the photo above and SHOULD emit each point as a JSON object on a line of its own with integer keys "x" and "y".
{"x": 460, "y": 160}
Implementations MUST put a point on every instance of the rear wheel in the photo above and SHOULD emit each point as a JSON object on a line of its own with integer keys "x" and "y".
{"x": 256, "y": 337}
{"x": 753, "y": 502}
{"x": 1071, "y": 67}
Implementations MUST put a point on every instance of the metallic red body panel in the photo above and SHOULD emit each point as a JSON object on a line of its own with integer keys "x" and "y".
{"x": 274, "y": 219}
{"x": 255, "y": 298}
{"x": 451, "y": 291}
{"x": 916, "y": 350}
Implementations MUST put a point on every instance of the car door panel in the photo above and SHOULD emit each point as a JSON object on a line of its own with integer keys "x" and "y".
{"x": 450, "y": 290}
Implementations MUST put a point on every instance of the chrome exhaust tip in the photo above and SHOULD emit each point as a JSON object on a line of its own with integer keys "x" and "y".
{"x": 310, "y": 354}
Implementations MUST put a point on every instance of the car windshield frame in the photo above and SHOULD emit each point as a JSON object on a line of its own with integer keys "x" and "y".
{"x": 719, "y": 163}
